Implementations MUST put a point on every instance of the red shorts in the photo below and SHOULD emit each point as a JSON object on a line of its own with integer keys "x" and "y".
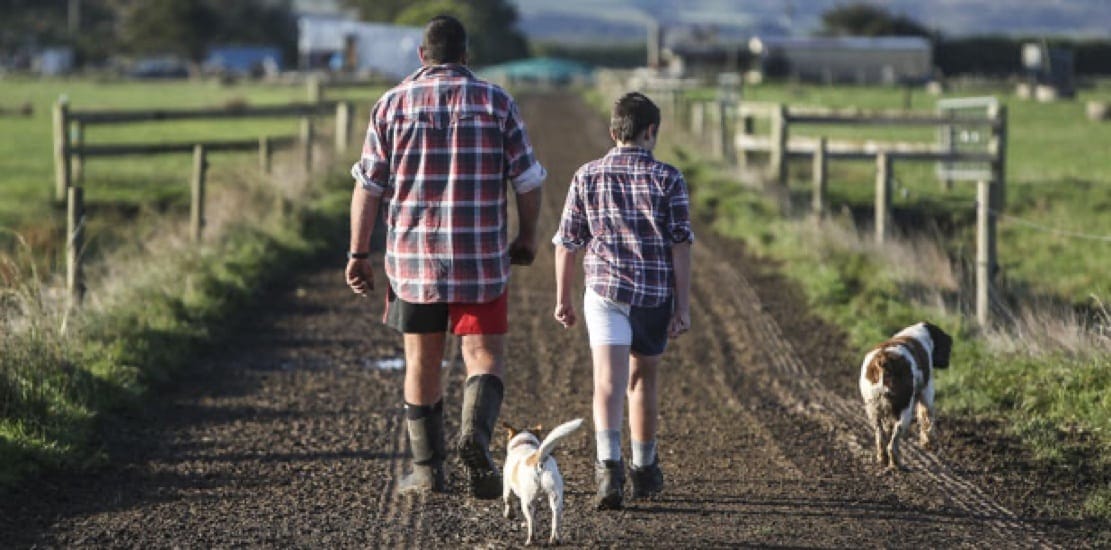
{"x": 460, "y": 319}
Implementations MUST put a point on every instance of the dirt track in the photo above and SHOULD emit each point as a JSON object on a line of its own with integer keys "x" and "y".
{"x": 292, "y": 438}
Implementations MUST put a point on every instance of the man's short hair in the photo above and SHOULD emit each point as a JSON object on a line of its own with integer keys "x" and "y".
{"x": 445, "y": 40}
{"x": 632, "y": 113}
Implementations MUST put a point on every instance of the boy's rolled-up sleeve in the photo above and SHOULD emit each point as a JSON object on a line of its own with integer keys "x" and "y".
{"x": 574, "y": 230}
{"x": 372, "y": 170}
{"x": 678, "y": 212}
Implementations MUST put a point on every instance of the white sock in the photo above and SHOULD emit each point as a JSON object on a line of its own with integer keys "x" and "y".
{"x": 609, "y": 444}
{"x": 644, "y": 453}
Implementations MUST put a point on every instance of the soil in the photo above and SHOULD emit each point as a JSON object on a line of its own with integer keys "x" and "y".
{"x": 292, "y": 436}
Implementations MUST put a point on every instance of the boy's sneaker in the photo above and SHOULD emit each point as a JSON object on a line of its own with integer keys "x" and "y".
{"x": 610, "y": 476}
{"x": 647, "y": 480}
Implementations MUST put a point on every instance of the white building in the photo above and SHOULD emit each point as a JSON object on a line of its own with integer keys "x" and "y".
{"x": 340, "y": 44}
{"x": 862, "y": 60}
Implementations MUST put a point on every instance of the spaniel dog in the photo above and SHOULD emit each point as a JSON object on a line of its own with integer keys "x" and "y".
{"x": 896, "y": 382}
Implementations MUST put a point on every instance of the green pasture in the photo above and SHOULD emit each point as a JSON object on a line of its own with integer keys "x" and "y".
{"x": 26, "y": 146}
{"x": 1055, "y": 236}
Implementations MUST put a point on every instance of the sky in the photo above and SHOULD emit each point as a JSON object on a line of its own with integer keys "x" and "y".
{"x": 583, "y": 19}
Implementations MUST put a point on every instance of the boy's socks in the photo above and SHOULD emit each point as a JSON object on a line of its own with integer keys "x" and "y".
{"x": 609, "y": 444}
{"x": 644, "y": 453}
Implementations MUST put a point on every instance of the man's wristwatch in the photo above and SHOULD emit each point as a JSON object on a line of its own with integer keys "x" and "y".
{"x": 358, "y": 255}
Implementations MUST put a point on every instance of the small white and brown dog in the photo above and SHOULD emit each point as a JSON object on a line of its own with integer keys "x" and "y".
{"x": 530, "y": 471}
{"x": 897, "y": 383}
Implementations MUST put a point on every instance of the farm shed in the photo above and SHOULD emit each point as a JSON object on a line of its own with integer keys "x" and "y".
{"x": 353, "y": 46}
{"x": 860, "y": 60}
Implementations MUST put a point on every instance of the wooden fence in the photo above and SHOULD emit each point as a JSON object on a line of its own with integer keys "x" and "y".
{"x": 71, "y": 152}
{"x": 729, "y": 129}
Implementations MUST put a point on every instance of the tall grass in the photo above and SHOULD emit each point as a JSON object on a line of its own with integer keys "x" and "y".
{"x": 154, "y": 302}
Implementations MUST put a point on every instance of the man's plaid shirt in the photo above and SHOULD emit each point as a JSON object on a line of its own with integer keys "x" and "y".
{"x": 439, "y": 149}
{"x": 627, "y": 209}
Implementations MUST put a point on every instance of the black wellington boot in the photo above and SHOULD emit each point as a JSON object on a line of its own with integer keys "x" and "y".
{"x": 482, "y": 397}
{"x": 426, "y": 441}
{"x": 610, "y": 477}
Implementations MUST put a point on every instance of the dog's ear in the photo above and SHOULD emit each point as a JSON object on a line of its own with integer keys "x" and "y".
{"x": 943, "y": 345}
{"x": 510, "y": 430}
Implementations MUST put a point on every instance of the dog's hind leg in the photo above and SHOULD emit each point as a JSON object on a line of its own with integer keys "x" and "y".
{"x": 897, "y": 430}
{"x": 881, "y": 440}
{"x": 505, "y": 490}
{"x": 555, "y": 500}
{"x": 529, "y": 509}
{"x": 925, "y": 414}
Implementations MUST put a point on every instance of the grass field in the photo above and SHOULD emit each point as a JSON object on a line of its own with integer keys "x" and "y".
{"x": 26, "y": 181}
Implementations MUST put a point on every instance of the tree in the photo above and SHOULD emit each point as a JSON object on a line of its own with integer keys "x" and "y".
{"x": 863, "y": 19}
{"x": 490, "y": 24}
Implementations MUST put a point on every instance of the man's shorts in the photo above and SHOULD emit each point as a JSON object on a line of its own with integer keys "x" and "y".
{"x": 643, "y": 329}
{"x": 460, "y": 319}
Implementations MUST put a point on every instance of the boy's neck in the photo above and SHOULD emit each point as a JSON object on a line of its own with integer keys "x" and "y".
{"x": 643, "y": 144}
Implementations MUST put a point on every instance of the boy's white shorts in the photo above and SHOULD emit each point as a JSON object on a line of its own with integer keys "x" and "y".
{"x": 606, "y": 321}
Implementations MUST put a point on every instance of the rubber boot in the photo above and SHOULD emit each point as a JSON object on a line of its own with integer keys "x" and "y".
{"x": 482, "y": 397}
{"x": 426, "y": 442}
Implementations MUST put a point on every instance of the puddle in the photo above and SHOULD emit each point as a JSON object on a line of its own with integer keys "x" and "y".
{"x": 392, "y": 363}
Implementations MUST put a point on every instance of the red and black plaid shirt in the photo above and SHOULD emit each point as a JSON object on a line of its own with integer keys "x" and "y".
{"x": 627, "y": 209}
{"x": 439, "y": 149}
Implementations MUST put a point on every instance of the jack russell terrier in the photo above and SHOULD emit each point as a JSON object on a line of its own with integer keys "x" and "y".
{"x": 530, "y": 470}
{"x": 896, "y": 382}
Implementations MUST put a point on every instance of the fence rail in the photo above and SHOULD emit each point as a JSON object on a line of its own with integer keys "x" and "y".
{"x": 129, "y": 116}
{"x": 732, "y": 137}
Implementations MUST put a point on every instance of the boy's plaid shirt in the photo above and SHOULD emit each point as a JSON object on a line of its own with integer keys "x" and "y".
{"x": 627, "y": 209}
{"x": 438, "y": 149}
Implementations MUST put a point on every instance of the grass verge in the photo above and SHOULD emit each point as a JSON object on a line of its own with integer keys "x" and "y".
{"x": 157, "y": 308}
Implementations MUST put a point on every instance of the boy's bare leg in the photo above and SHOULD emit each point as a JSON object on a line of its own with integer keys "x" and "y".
{"x": 643, "y": 397}
{"x": 484, "y": 356}
{"x": 424, "y": 417}
{"x": 611, "y": 376}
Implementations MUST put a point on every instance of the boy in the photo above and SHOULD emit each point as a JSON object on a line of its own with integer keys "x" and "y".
{"x": 631, "y": 214}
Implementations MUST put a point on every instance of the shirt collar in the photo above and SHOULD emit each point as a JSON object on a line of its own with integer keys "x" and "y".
{"x": 630, "y": 151}
{"x": 437, "y": 71}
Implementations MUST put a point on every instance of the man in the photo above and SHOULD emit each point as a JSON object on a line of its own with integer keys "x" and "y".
{"x": 439, "y": 149}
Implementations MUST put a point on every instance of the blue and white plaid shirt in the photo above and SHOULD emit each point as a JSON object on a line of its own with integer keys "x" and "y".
{"x": 627, "y": 209}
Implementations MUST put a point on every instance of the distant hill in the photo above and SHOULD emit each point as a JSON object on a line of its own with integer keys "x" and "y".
{"x": 624, "y": 20}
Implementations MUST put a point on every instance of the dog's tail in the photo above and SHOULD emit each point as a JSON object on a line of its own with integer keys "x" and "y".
{"x": 560, "y": 432}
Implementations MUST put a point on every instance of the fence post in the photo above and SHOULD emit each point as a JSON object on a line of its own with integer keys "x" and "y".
{"x": 725, "y": 137}
{"x": 196, "y": 210}
{"x": 343, "y": 125}
{"x": 819, "y": 174}
{"x": 779, "y": 145}
{"x": 61, "y": 150}
{"x": 697, "y": 120}
{"x": 314, "y": 90}
{"x": 306, "y": 142}
{"x": 75, "y": 242}
{"x": 985, "y": 251}
{"x": 77, "y": 161}
{"x": 883, "y": 196}
{"x": 748, "y": 130}
{"x": 998, "y": 147}
{"x": 265, "y": 154}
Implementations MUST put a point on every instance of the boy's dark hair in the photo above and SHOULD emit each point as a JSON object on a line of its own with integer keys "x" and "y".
{"x": 445, "y": 40}
{"x": 632, "y": 113}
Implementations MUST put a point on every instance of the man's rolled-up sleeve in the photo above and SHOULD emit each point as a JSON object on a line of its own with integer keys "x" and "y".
{"x": 521, "y": 167}
{"x": 372, "y": 170}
